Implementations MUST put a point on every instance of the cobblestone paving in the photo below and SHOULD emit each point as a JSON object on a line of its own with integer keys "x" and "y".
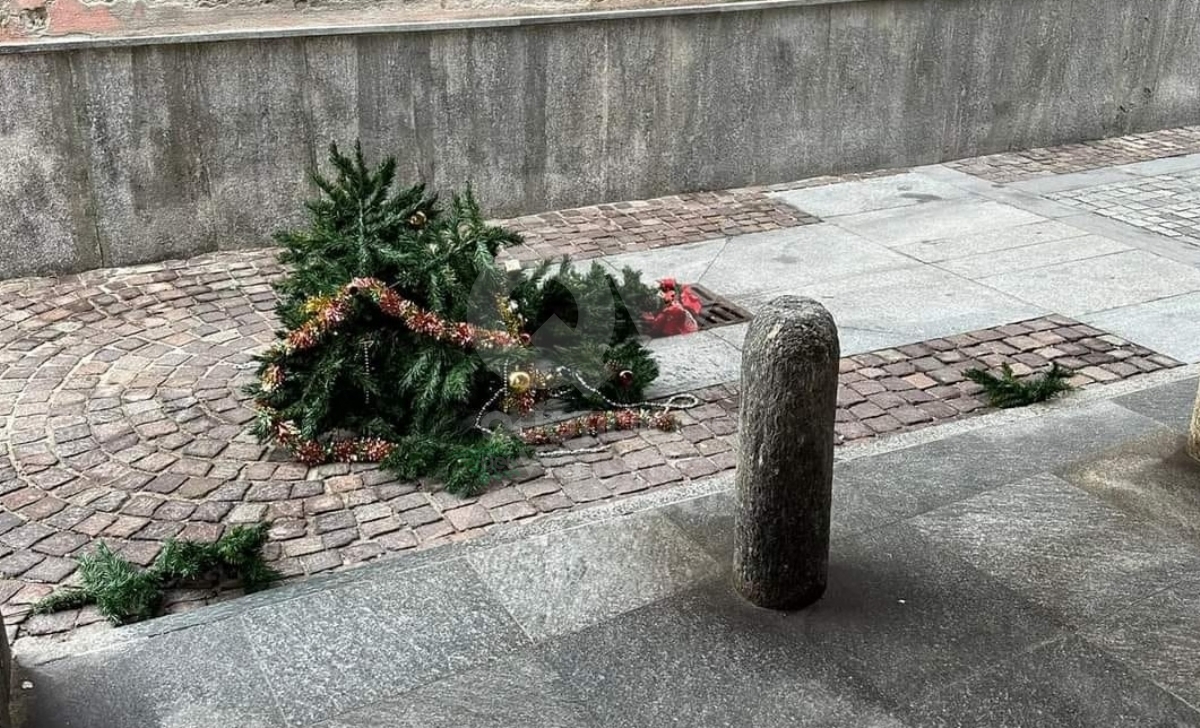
{"x": 589, "y": 232}
{"x": 921, "y": 384}
{"x": 1027, "y": 164}
{"x": 1168, "y": 205}
{"x": 122, "y": 419}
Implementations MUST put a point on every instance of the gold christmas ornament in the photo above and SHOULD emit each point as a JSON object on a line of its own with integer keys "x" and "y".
{"x": 519, "y": 382}
{"x": 418, "y": 219}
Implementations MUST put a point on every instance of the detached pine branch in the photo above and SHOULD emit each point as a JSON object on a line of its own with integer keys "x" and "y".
{"x": 124, "y": 593}
{"x": 1007, "y": 390}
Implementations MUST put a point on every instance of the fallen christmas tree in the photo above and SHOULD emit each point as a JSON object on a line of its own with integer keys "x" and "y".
{"x": 403, "y": 336}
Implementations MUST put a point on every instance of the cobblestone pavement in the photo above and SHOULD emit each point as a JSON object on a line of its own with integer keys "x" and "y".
{"x": 122, "y": 417}
{"x": 1030, "y": 163}
{"x": 1168, "y": 205}
{"x": 123, "y": 420}
{"x": 589, "y": 232}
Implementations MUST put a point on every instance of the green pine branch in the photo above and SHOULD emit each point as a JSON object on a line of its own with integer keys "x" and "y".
{"x": 1008, "y": 390}
{"x": 125, "y": 593}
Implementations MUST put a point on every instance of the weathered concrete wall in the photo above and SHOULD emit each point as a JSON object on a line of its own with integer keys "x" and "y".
{"x": 115, "y": 154}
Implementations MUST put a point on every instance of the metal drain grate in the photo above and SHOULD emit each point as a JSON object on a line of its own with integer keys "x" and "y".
{"x": 718, "y": 310}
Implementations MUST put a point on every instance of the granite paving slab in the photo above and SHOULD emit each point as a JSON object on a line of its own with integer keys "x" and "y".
{"x": 1039, "y": 255}
{"x": 1160, "y": 637}
{"x": 914, "y": 619}
{"x": 913, "y": 304}
{"x": 1170, "y": 403}
{"x": 1063, "y": 684}
{"x": 706, "y": 658}
{"x": 1152, "y": 478}
{"x": 207, "y": 676}
{"x": 1099, "y": 284}
{"x": 515, "y": 692}
{"x": 1167, "y": 324}
{"x": 1061, "y": 547}
{"x": 332, "y": 651}
{"x": 935, "y": 221}
{"x": 988, "y": 242}
{"x": 850, "y": 198}
{"x": 564, "y": 582}
{"x": 792, "y": 261}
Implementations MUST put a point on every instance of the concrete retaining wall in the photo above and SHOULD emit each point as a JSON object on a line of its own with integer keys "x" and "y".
{"x": 118, "y": 152}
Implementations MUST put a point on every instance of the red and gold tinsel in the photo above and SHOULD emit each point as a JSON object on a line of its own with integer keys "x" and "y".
{"x": 595, "y": 423}
{"x": 327, "y": 313}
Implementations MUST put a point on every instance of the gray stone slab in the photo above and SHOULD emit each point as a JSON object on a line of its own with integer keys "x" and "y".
{"x": 1170, "y": 326}
{"x": 914, "y": 618}
{"x": 693, "y": 361}
{"x": 1166, "y": 165}
{"x": 344, "y": 648}
{"x": 563, "y": 582}
{"x": 1074, "y": 181}
{"x": 686, "y": 263}
{"x": 978, "y": 267}
{"x": 1152, "y": 478}
{"x": 708, "y": 520}
{"x": 988, "y": 241}
{"x": 516, "y": 692}
{"x": 880, "y": 193}
{"x": 935, "y": 220}
{"x": 1170, "y": 404}
{"x": 860, "y": 340}
{"x": 914, "y": 304}
{"x": 1061, "y": 547}
{"x": 734, "y": 335}
{"x": 1063, "y": 684}
{"x": 707, "y": 658}
{"x": 1159, "y": 637}
{"x": 1176, "y": 249}
{"x": 205, "y": 677}
{"x": 1099, "y": 284}
{"x": 874, "y": 491}
{"x": 793, "y": 260}
{"x": 998, "y": 192}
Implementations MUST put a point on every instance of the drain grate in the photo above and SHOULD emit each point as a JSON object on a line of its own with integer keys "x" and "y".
{"x": 718, "y": 310}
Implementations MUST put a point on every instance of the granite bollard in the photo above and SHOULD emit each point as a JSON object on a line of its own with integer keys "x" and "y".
{"x": 785, "y": 454}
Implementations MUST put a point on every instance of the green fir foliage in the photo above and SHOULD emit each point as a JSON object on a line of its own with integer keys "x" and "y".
{"x": 375, "y": 378}
{"x": 1008, "y": 390}
{"x": 124, "y": 592}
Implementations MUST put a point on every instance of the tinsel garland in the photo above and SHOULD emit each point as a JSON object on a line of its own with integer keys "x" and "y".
{"x": 327, "y": 313}
{"x": 374, "y": 450}
{"x": 595, "y": 423}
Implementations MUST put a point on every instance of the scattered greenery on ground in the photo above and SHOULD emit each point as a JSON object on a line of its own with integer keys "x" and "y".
{"x": 125, "y": 592}
{"x": 398, "y": 375}
{"x": 1008, "y": 390}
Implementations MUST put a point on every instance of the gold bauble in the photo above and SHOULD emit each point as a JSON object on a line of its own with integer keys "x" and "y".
{"x": 519, "y": 382}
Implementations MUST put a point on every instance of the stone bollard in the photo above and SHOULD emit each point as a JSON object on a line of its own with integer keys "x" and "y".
{"x": 785, "y": 454}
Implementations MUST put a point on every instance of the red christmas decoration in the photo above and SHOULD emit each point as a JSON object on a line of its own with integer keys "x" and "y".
{"x": 681, "y": 305}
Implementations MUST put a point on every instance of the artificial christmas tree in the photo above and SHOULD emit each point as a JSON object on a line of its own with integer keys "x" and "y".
{"x": 402, "y": 334}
